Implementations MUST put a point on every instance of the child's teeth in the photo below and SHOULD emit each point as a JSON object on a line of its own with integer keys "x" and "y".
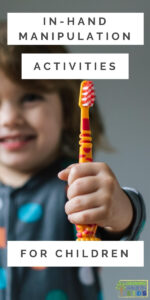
{"x": 15, "y": 139}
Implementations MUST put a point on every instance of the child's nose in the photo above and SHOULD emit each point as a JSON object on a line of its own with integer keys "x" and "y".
{"x": 10, "y": 115}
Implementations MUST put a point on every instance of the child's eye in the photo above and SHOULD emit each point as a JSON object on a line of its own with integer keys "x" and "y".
{"x": 31, "y": 98}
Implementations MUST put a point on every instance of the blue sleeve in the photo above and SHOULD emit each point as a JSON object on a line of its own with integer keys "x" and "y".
{"x": 135, "y": 228}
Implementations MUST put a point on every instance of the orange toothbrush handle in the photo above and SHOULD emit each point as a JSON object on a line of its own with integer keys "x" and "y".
{"x": 85, "y": 232}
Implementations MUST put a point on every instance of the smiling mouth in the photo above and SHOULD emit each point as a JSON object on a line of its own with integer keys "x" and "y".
{"x": 17, "y": 138}
{"x": 16, "y": 142}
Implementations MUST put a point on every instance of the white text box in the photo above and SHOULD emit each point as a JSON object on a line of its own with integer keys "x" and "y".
{"x": 75, "y": 253}
{"x": 75, "y": 28}
{"x": 75, "y": 66}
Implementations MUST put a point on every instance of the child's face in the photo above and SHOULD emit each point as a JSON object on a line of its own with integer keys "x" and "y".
{"x": 30, "y": 126}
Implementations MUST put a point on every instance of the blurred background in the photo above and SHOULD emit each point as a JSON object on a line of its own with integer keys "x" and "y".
{"x": 125, "y": 107}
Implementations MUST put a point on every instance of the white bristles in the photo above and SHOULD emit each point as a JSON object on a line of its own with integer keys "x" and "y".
{"x": 87, "y": 94}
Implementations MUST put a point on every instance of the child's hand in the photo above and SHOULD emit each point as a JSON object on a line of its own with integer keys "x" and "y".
{"x": 96, "y": 197}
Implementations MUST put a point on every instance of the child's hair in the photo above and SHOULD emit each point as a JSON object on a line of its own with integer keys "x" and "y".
{"x": 10, "y": 64}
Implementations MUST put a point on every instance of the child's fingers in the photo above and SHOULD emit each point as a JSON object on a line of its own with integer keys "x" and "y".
{"x": 83, "y": 202}
{"x": 90, "y": 216}
{"x": 87, "y": 169}
{"x": 80, "y": 170}
{"x": 63, "y": 175}
{"x": 83, "y": 185}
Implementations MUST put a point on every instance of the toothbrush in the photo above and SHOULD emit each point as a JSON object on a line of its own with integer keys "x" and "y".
{"x": 86, "y": 100}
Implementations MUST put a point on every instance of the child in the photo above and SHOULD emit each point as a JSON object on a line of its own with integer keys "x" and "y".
{"x": 39, "y": 129}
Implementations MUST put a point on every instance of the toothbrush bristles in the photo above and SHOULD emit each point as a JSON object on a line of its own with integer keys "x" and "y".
{"x": 88, "y": 94}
